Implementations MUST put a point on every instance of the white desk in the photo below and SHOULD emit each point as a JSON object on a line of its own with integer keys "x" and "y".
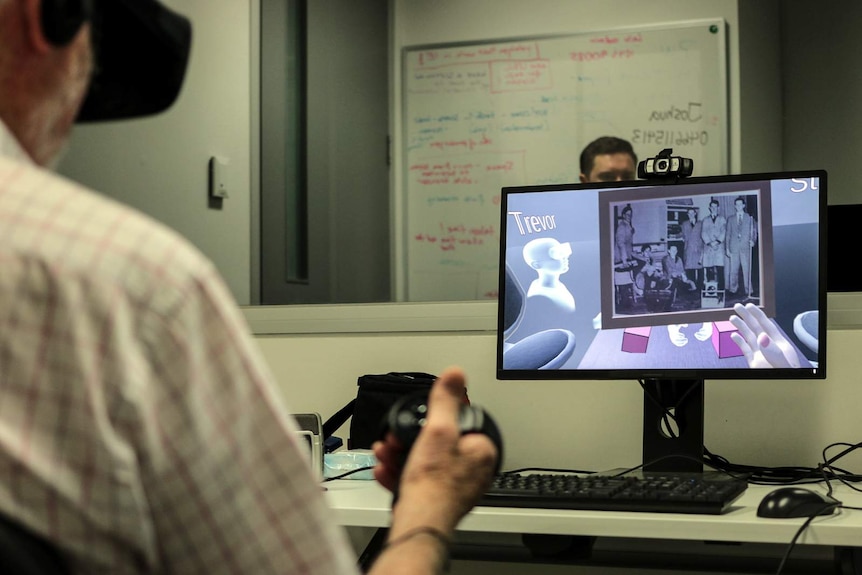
{"x": 366, "y": 504}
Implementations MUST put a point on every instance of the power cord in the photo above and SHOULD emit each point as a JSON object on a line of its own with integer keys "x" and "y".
{"x": 759, "y": 475}
{"x": 347, "y": 473}
{"x": 545, "y": 470}
{"x": 826, "y": 472}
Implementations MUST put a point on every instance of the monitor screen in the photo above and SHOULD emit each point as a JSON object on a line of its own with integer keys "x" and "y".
{"x": 641, "y": 279}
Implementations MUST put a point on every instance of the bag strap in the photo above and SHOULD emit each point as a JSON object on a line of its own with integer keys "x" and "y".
{"x": 337, "y": 419}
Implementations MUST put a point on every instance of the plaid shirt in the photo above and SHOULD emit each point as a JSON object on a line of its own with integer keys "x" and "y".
{"x": 140, "y": 431}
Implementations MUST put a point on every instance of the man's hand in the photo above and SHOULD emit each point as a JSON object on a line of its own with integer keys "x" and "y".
{"x": 760, "y": 340}
{"x": 445, "y": 473}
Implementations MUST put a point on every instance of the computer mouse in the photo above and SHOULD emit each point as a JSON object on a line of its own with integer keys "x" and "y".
{"x": 788, "y": 502}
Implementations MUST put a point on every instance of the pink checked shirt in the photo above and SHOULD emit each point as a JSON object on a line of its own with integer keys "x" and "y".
{"x": 139, "y": 428}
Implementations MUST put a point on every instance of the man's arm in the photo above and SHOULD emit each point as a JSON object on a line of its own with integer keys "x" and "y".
{"x": 225, "y": 473}
{"x": 443, "y": 478}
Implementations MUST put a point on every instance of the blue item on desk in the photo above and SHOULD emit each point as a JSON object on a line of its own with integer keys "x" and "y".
{"x": 341, "y": 462}
{"x": 790, "y": 502}
{"x": 332, "y": 444}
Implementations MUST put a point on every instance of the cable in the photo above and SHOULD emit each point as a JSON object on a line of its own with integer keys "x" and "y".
{"x": 762, "y": 475}
{"x": 791, "y": 474}
{"x": 827, "y": 472}
{"x": 799, "y": 532}
{"x": 842, "y": 475}
{"x": 351, "y": 472}
{"x": 823, "y": 472}
{"x": 546, "y": 470}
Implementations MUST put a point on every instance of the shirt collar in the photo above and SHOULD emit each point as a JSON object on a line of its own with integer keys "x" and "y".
{"x": 9, "y": 146}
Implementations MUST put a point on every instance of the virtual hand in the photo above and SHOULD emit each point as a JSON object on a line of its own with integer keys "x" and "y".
{"x": 676, "y": 336}
{"x": 705, "y": 331}
{"x": 760, "y": 340}
{"x": 445, "y": 473}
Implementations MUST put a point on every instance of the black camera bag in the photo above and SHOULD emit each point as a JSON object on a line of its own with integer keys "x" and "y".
{"x": 376, "y": 393}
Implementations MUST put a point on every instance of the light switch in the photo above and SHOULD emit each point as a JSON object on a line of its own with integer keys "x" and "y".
{"x": 218, "y": 173}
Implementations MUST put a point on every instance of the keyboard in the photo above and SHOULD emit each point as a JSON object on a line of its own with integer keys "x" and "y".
{"x": 710, "y": 494}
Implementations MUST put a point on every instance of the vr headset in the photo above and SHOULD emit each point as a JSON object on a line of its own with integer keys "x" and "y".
{"x": 141, "y": 51}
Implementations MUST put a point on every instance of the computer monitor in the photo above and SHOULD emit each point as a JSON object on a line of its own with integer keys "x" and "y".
{"x": 639, "y": 280}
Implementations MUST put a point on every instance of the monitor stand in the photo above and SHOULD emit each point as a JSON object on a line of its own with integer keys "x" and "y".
{"x": 677, "y": 449}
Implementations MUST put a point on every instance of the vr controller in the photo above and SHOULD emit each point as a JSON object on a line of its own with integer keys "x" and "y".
{"x": 407, "y": 416}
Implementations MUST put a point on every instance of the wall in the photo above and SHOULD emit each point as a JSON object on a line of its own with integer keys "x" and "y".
{"x": 159, "y": 164}
{"x": 590, "y": 425}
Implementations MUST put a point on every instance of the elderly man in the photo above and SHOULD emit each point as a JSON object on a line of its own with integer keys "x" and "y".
{"x": 140, "y": 431}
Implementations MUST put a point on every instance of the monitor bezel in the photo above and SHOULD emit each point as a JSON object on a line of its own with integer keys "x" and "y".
{"x": 818, "y": 372}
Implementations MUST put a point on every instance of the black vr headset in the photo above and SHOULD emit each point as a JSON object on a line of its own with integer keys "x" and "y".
{"x": 140, "y": 47}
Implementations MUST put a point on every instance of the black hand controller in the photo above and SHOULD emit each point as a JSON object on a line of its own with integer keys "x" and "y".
{"x": 407, "y": 417}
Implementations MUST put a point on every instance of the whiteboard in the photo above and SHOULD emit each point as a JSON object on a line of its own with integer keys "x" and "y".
{"x": 480, "y": 116}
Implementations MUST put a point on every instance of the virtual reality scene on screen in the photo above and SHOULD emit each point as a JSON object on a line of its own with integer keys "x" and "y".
{"x": 645, "y": 276}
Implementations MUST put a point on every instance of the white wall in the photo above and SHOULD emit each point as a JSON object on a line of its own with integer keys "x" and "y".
{"x": 591, "y": 425}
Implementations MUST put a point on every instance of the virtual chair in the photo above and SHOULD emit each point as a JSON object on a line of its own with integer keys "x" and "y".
{"x": 805, "y": 327}
{"x": 545, "y": 349}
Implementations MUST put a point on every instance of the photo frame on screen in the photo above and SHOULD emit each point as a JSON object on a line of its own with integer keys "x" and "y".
{"x": 664, "y": 210}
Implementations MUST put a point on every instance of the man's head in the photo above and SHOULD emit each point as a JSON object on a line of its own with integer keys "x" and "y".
{"x": 44, "y": 82}
{"x": 52, "y": 76}
{"x": 672, "y": 251}
{"x": 739, "y": 203}
{"x": 608, "y": 159}
{"x": 713, "y": 207}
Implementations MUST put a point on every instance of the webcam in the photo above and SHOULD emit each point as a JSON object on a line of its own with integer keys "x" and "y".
{"x": 665, "y": 165}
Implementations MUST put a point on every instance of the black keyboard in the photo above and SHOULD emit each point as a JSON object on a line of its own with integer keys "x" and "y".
{"x": 709, "y": 494}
